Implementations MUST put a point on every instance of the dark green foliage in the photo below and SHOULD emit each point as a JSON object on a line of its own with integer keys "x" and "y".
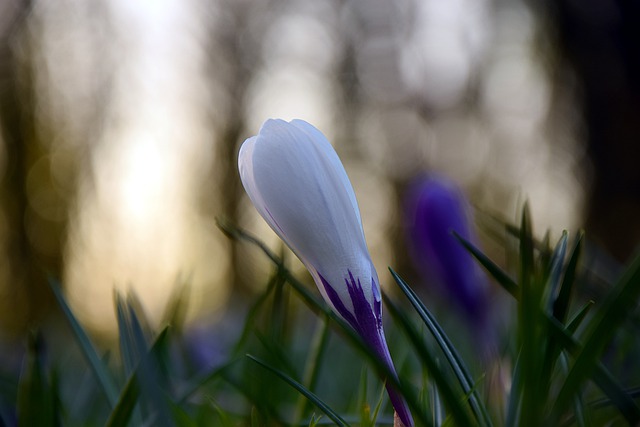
{"x": 564, "y": 359}
{"x": 37, "y": 393}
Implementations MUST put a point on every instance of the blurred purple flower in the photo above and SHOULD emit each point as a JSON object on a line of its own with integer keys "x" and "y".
{"x": 203, "y": 346}
{"x": 435, "y": 208}
{"x": 297, "y": 183}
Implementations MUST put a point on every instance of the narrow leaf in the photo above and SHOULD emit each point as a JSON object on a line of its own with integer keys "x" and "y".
{"x": 552, "y": 349}
{"x": 35, "y": 403}
{"x": 618, "y": 303}
{"x": 452, "y": 399}
{"x": 127, "y": 349}
{"x": 88, "y": 349}
{"x": 492, "y": 268}
{"x": 197, "y": 383}
{"x": 555, "y": 270}
{"x": 123, "y": 410}
{"x": 573, "y": 324}
{"x": 601, "y": 376}
{"x": 561, "y": 304}
{"x": 302, "y": 389}
{"x": 451, "y": 354}
{"x": 633, "y": 392}
{"x": 515, "y": 397}
{"x": 531, "y": 339}
{"x": 312, "y": 367}
{"x": 150, "y": 380}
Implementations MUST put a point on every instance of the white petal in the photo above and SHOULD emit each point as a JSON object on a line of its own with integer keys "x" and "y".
{"x": 298, "y": 184}
{"x": 331, "y": 154}
{"x": 245, "y": 166}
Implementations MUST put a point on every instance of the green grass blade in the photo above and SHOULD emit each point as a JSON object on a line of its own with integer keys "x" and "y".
{"x": 555, "y": 270}
{"x": 452, "y": 399}
{"x": 36, "y": 399}
{"x": 312, "y": 366}
{"x": 236, "y": 233}
{"x": 496, "y": 226}
{"x": 546, "y": 257}
{"x": 180, "y": 417}
{"x": 128, "y": 400}
{"x": 222, "y": 417}
{"x": 529, "y": 328}
{"x": 492, "y": 223}
{"x": 601, "y": 376}
{"x": 492, "y": 268}
{"x": 177, "y": 305}
{"x": 255, "y": 418}
{"x": 150, "y": 379}
{"x": 573, "y": 324}
{"x": 197, "y": 383}
{"x": 436, "y": 405}
{"x": 376, "y": 410}
{"x": 303, "y": 390}
{"x": 88, "y": 349}
{"x": 128, "y": 352}
{"x": 144, "y": 362}
{"x": 451, "y": 355}
{"x": 277, "y": 353}
{"x": 621, "y": 400}
{"x": 130, "y": 357}
{"x": 578, "y": 403}
{"x": 254, "y": 310}
{"x": 123, "y": 410}
{"x": 278, "y": 324}
{"x": 552, "y": 289}
{"x": 561, "y": 303}
{"x": 515, "y": 397}
{"x": 554, "y": 347}
{"x": 619, "y": 302}
{"x": 362, "y": 404}
{"x": 633, "y": 392}
{"x": 260, "y": 405}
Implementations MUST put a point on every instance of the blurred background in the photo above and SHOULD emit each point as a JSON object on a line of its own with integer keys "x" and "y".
{"x": 120, "y": 124}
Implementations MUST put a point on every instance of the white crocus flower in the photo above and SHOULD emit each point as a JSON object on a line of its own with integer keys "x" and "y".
{"x": 297, "y": 183}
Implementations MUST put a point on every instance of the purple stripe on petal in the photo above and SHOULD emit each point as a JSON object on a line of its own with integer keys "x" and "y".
{"x": 370, "y": 328}
{"x": 367, "y": 321}
{"x": 377, "y": 302}
{"x": 338, "y": 304}
{"x": 369, "y": 325}
{"x": 363, "y": 319}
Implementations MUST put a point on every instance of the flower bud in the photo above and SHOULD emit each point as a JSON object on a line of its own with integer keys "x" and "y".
{"x": 297, "y": 183}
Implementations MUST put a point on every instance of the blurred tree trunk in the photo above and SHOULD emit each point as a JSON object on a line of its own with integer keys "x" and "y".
{"x": 237, "y": 52}
{"x": 25, "y": 294}
{"x": 600, "y": 41}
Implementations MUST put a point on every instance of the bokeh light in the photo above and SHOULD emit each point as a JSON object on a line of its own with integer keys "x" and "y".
{"x": 137, "y": 111}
